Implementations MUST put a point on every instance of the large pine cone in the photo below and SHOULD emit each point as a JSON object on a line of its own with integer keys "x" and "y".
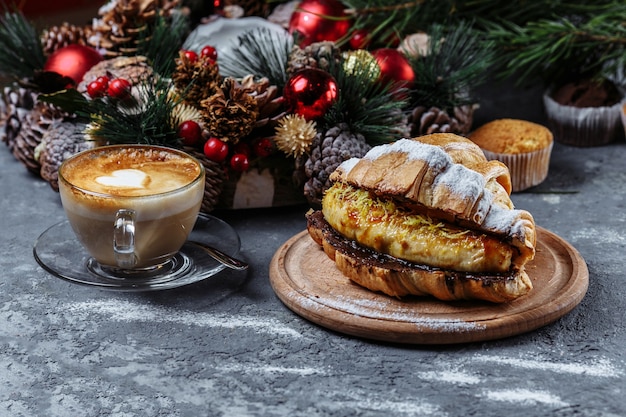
{"x": 122, "y": 24}
{"x": 62, "y": 140}
{"x": 231, "y": 113}
{"x": 16, "y": 104}
{"x": 316, "y": 55}
{"x": 424, "y": 121}
{"x": 57, "y": 37}
{"x": 328, "y": 151}
{"x": 34, "y": 127}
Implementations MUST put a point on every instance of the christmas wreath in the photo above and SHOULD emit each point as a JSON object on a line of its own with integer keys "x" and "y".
{"x": 272, "y": 96}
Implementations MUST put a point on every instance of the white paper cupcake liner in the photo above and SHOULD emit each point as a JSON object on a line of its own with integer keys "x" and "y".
{"x": 583, "y": 126}
{"x": 527, "y": 169}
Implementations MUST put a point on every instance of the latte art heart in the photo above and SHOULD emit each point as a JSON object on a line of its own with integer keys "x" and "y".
{"x": 127, "y": 178}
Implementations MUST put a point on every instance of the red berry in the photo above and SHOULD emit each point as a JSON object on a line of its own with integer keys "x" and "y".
{"x": 209, "y": 52}
{"x": 239, "y": 162}
{"x": 96, "y": 89}
{"x": 119, "y": 88}
{"x": 215, "y": 149}
{"x": 191, "y": 56}
{"x": 103, "y": 79}
{"x": 190, "y": 132}
{"x": 360, "y": 39}
{"x": 263, "y": 147}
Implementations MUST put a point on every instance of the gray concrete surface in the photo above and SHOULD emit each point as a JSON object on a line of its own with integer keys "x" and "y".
{"x": 229, "y": 347}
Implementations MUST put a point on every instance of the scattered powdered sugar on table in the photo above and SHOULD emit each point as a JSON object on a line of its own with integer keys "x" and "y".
{"x": 525, "y": 397}
{"x": 600, "y": 367}
{"x": 125, "y": 311}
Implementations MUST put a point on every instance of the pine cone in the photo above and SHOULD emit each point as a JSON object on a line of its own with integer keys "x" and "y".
{"x": 231, "y": 113}
{"x": 215, "y": 178}
{"x": 122, "y": 24}
{"x": 196, "y": 80}
{"x": 134, "y": 69}
{"x": 62, "y": 140}
{"x": 328, "y": 151}
{"x": 56, "y": 37}
{"x": 316, "y": 55}
{"x": 17, "y": 103}
{"x": 268, "y": 99}
{"x": 423, "y": 121}
{"x": 34, "y": 126}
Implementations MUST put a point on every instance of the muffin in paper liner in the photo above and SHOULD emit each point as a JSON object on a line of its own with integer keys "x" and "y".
{"x": 524, "y": 147}
{"x": 527, "y": 169}
{"x": 583, "y": 126}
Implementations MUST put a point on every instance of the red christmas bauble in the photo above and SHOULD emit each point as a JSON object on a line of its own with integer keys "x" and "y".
{"x": 310, "y": 93}
{"x": 394, "y": 67}
{"x": 72, "y": 61}
{"x": 319, "y": 20}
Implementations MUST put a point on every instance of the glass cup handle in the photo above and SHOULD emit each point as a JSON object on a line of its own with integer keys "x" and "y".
{"x": 124, "y": 238}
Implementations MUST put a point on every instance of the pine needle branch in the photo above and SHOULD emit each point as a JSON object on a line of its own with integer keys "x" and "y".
{"x": 563, "y": 48}
{"x": 457, "y": 60}
{"x": 261, "y": 52}
{"x": 368, "y": 107}
{"x": 165, "y": 39}
{"x": 21, "y": 52}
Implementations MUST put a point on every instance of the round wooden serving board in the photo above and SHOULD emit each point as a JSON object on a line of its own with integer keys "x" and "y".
{"x": 308, "y": 282}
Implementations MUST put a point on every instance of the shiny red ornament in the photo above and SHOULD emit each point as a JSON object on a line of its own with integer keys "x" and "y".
{"x": 319, "y": 20}
{"x": 72, "y": 61}
{"x": 310, "y": 93}
{"x": 239, "y": 162}
{"x": 190, "y": 132}
{"x": 119, "y": 89}
{"x": 215, "y": 149}
{"x": 394, "y": 67}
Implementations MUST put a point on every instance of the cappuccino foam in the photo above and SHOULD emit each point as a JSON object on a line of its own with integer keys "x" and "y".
{"x": 130, "y": 172}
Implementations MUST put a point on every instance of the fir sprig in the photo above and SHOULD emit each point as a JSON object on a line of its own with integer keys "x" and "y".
{"x": 164, "y": 42}
{"x": 367, "y": 106}
{"x": 146, "y": 121}
{"x": 455, "y": 63}
{"x": 564, "y": 48}
{"x": 21, "y": 52}
{"x": 262, "y": 52}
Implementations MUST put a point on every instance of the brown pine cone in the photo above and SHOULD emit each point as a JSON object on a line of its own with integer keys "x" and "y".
{"x": 196, "y": 80}
{"x": 56, "y": 37}
{"x": 231, "y": 113}
{"x": 268, "y": 98}
{"x": 316, "y": 55}
{"x": 328, "y": 151}
{"x": 62, "y": 140}
{"x": 424, "y": 121}
{"x": 17, "y": 103}
{"x": 122, "y": 24}
{"x": 34, "y": 127}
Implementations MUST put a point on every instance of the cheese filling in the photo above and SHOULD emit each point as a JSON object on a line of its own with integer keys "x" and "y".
{"x": 382, "y": 225}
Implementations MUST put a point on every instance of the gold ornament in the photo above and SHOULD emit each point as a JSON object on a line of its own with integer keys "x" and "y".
{"x": 294, "y": 135}
{"x": 361, "y": 61}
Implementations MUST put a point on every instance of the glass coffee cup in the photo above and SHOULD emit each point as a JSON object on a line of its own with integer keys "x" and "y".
{"x": 131, "y": 207}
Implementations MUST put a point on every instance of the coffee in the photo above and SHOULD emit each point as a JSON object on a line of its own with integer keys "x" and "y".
{"x": 162, "y": 187}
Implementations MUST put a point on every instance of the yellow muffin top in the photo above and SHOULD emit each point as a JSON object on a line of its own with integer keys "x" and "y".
{"x": 511, "y": 136}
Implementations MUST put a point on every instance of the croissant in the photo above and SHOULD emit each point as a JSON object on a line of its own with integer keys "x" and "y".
{"x": 427, "y": 216}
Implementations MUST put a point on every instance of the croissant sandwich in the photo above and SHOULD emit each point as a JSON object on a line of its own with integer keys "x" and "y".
{"x": 427, "y": 216}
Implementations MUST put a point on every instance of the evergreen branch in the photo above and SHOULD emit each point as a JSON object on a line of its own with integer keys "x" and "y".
{"x": 148, "y": 121}
{"x": 563, "y": 48}
{"x": 262, "y": 52}
{"x": 457, "y": 60}
{"x": 21, "y": 52}
{"x": 367, "y": 106}
{"x": 163, "y": 41}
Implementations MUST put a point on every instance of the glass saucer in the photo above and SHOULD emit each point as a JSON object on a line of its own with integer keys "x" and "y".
{"x": 58, "y": 251}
